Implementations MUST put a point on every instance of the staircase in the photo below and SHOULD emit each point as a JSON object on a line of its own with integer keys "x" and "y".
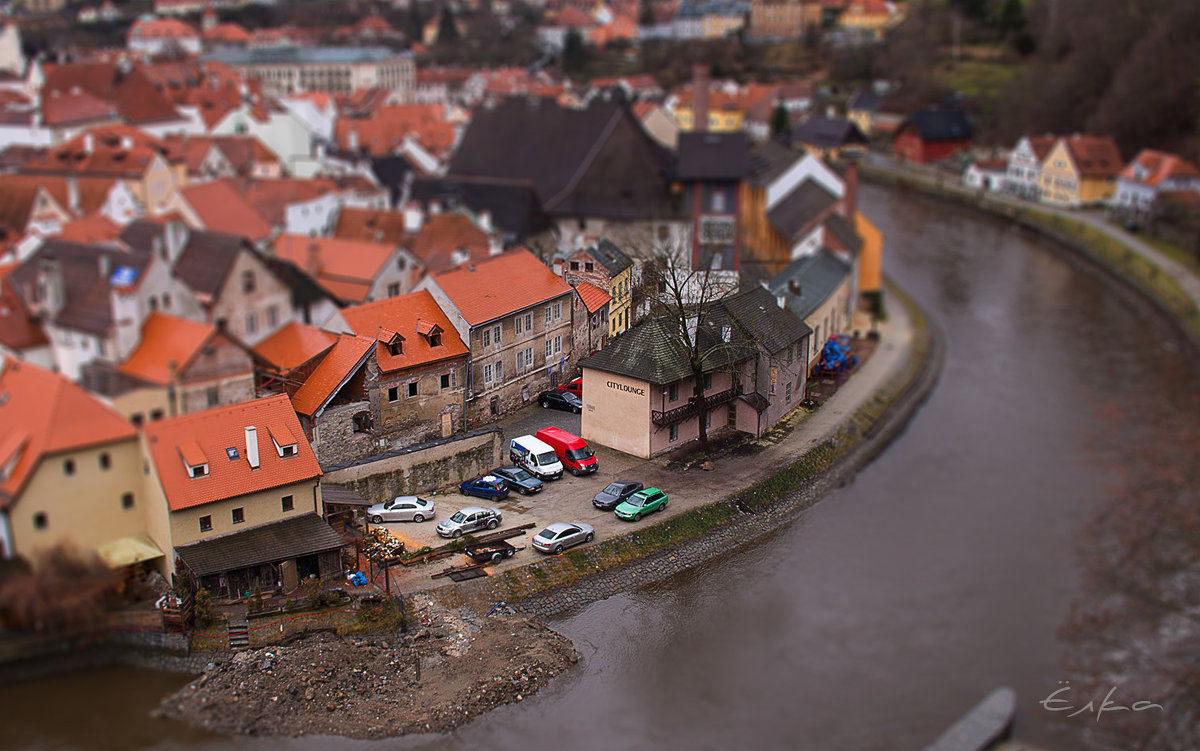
{"x": 239, "y": 634}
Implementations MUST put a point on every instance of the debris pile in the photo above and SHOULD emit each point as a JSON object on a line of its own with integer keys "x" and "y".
{"x": 380, "y": 544}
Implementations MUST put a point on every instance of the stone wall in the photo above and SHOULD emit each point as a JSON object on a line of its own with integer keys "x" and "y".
{"x": 421, "y": 468}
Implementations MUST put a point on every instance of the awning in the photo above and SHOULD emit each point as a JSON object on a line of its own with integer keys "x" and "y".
{"x": 340, "y": 495}
{"x": 273, "y": 542}
{"x": 128, "y": 550}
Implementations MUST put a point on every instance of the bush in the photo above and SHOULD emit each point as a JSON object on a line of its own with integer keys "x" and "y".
{"x": 386, "y": 616}
{"x": 255, "y": 603}
{"x": 65, "y": 588}
{"x": 202, "y": 609}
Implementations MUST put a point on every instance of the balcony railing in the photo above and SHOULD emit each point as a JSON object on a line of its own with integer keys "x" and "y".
{"x": 684, "y": 411}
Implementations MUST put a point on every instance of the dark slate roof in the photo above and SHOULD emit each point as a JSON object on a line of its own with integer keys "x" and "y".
{"x": 713, "y": 156}
{"x": 611, "y": 257}
{"x": 867, "y": 101}
{"x": 88, "y": 301}
{"x": 758, "y": 313}
{"x": 597, "y": 161}
{"x": 267, "y": 543}
{"x": 340, "y": 495}
{"x": 940, "y": 124}
{"x": 800, "y": 208}
{"x": 513, "y": 204}
{"x": 304, "y": 289}
{"x": 769, "y": 161}
{"x": 818, "y": 274}
{"x": 393, "y": 172}
{"x": 206, "y": 259}
{"x": 845, "y": 234}
{"x": 827, "y": 132}
{"x": 653, "y": 351}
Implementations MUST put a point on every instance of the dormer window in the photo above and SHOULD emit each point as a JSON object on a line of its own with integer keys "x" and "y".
{"x": 435, "y": 340}
{"x": 396, "y": 347}
{"x": 285, "y": 442}
{"x": 194, "y": 459}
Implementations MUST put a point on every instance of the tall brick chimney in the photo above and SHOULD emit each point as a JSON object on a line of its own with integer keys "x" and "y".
{"x": 850, "y": 194}
{"x": 699, "y": 98}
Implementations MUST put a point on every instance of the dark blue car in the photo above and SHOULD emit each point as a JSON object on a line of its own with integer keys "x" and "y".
{"x": 488, "y": 486}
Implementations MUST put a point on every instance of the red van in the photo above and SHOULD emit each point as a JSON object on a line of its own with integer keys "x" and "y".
{"x": 572, "y": 450}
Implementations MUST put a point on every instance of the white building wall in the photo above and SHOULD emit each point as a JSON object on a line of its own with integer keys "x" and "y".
{"x": 807, "y": 168}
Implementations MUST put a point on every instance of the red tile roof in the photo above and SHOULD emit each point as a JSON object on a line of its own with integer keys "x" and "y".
{"x": 500, "y": 285}
{"x": 72, "y": 108}
{"x": 19, "y": 330}
{"x": 166, "y": 339}
{"x": 444, "y": 234}
{"x": 1094, "y": 156}
{"x": 213, "y": 431}
{"x": 220, "y": 207}
{"x": 94, "y": 228}
{"x": 345, "y": 268}
{"x": 161, "y": 28}
{"x": 228, "y": 33}
{"x": 347, "y": 355}
{"x": 371, "y": 224}
{"x": 92, "y": 192}
{"x": 387, "y": 127}
{"x": 413, "y": 316}
{"x": 293, "y": 345}
{"x": 593, "y": 297}
{"x": 44, "y": 414}
{"x": 1152, "y": 167}
{"x": 115, "y": 151}
{"x": 128, "y": 88}
{"x": 1041, "y": 145}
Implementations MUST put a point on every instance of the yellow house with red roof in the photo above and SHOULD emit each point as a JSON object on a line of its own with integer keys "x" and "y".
{"x": 70, "y": 471}
{"x": 1080, "y": 170}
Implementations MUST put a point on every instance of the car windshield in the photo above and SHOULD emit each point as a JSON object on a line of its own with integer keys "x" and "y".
{"x": 519, "y": 474}
{"x": 581, "y": 454}
{"x": 546, "y": 534}
{"x": 547, "y": 458}
{"x": 459, "y": 517}
{"x": 571, "y": 399}
{"x": 613, "y": 489}
{"x": 636, "y": 500}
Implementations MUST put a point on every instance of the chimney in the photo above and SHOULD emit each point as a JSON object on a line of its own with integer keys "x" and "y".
{"x": 51, "y": 295}
{"x": 314, "y": 260}
{"x": 850, "y": 192}
{"x": 412, "y": 218}
{"x": 177, "y": 236}
{"x": 252, "y": 446}
{"x": 127, "y": 142}
{"x": 105, "y": 264}
{"x": 782, "y": 301}
{"x": 485, "y": 221}
{"x": 793, "y": 286}
{"x": 89, "y": 143}
{"x": 699, "y": 98}
{"x": 435, "y": 207}
{"x": 352, "y": 139}
{"x": 495, "y": 246}
{"x": 72, "y": 195}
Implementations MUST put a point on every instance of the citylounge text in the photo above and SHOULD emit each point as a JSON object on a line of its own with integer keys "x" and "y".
{"x": 623, "y": 387}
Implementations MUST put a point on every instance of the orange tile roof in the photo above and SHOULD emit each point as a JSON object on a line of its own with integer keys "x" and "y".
{"x": 161, "y": 28}
{"x": 116, "y": 150}
{"x": 221, "y": 208}
{"x": 1156, "y": 166}
{"x": 43, "y": 414}
{"x": 445, "y": 233}
{"x": 215, "y": 430}
{"x": 371, "y": 224}
{"x": 387, "y": 127}
{"x": 76, "y": 106}
{"x": 1041, "y": 145}
{"x": 228, "y": 33}
{"x": 411, "y": 316}
{"x": 294, "y": 344}
{"x": 345, "y": 268}
{"x": 165, "y": 339}
{"x": 133, "y": 92}
{"x": 347, "y": 355}
{"x": 93, "y": 228}
{"x": 592, "y": 296}
{"x": 500, "y": 285}
{"x": 1094, "y": 156}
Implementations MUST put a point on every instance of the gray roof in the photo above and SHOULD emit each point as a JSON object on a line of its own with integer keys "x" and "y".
{"x": 818, "y": 275}
{"x": 653, "y": 351}
{"x": 758, "y": 313}
{"x": 611, "y": 257}
{"x": 827, "y": 132}
{"x": 513, "y": 204}
{"x": 295, "y": 55}
{"x": 939, "y": 124}
{"x": 713, "y": 156}
{"x": 273, "y": 542}
{"x": 206, "y": 259}
{"x": 88, "y": 295}
{"x": 769, "y": 161}
{"x": 597, "y": 161}
{"x": 333, "y": 494}
{"x": 868, "y": 101}
{"x": 800, "y": 208}
{"x": 845, "y": 234}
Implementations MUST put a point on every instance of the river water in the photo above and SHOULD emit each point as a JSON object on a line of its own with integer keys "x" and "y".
{"x": 884, "y": 613}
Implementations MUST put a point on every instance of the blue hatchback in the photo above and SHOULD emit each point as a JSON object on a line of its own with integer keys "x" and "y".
{"x": 488, "y": 486}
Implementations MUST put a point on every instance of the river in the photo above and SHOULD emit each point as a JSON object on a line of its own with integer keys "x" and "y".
{"x": 892, "y": 607}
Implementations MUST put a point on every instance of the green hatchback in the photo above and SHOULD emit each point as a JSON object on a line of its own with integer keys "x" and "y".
{"x": 641, "y": 503}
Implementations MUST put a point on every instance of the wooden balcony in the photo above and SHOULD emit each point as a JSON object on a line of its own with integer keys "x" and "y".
{"x": 684, "y": 411}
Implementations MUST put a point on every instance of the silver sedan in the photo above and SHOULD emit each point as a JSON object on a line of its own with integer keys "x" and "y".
{"x": 404, "y": 508}
{"x": 559, "y": 536}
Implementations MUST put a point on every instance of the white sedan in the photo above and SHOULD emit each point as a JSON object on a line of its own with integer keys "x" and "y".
{"x": 404, "y": 508}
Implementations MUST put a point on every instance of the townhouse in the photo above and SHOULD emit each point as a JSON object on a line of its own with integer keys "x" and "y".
{"x": 1080, "y": 170}
{"x": 1150, "y": 174}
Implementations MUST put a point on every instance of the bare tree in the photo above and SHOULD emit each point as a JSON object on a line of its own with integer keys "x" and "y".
{"x": 64, "y": 588}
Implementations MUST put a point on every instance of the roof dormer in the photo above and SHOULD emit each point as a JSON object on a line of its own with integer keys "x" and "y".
{"x": 392, "y": 340}
{"x": 431, "y": 331}
{"x": 194, "y": 459}
{"x": 285, "y": 442}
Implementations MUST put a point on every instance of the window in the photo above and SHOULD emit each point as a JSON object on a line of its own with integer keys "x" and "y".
{"x": 446, "y": 380}
{"x": 558, "y": 311}
{"x": 517, "y": 325}
{"x": 248, "y": 284}
{"x": 288, "y": 504}
{"x": 496, "y": 334}
{"x": 548, "y": 314}
{"x": 787, "y": 392}
{"x": 487, "y": 373}
{"x": 393, "y": 393}
{"x": 396, "y": 348}
{"x": 791, "y": 349}
{"x": 575, "y": 266}
{"x": 557, "y": 344}
{"x": 401, "y": 263}
{"x": 105, "y": 460}
{"x": 487, "y": 337}
{"x": 673, "y": 392}
{"x": 239, "y": 515}
{"x": 520, "y": 362}
{"x": 435, "y": 340}
{"x": 673, "y": 434}
{"x": 251, "y": 323}
{"x": 707, "y": 420}
{"x": 272, "y": 317}
{"x": 499, "y": 370}
{"x": 127, "y": 501}
{"x": 206, "y": 524}
{"x": 529, "y": 357}
{"x": 69, "y": 467}
{"x": 707, "y": 381}
{"x": 412, "y": 389}
{"x": 137, "y": 419}
{"x": 40, "y": 520}
{"x": 529, "y": 321}
{"x": 199, "y": 470}
{"x": 362, "y": 421}
{"x": 393, "y": 290}
{"x": 166, "y": 301}
{"x": 153, "y": 303}
{"x": 549, "y": 349}
{"x": 214, "y": 396}
{"x": 589, "y": 266}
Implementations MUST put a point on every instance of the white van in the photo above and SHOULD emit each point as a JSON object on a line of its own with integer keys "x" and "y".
{"x": 535, "y": 456}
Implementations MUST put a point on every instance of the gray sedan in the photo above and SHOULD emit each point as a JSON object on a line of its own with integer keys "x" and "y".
{"x": 404, "y": 508}
{"x": 559, "y": 536}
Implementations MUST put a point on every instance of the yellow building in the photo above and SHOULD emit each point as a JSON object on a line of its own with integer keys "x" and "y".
{"x": 1079, "y": 170}
{"x": 870, "y": 18}
{"x": 783, "y": 19}
{"x": 870, "y": 255}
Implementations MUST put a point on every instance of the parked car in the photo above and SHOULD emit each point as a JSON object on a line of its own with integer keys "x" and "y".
{"x": 563, "y": 400}
{"x": 614, "y": 493}
{"x": 488, "y": 486}
{"x": 469, "y": 519}
{"x": 558, "y": 536}
{"x": 402, "y": 508}
{"x": 572, "y": 451}
{"x": 641, "y": 503}
{"x": 535, "y": 456}
{"x": 574, "y": 386}
{"x": 519, "y": 479}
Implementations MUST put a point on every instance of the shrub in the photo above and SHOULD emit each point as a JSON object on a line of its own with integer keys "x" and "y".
{"x": 66, "y": 587}
{"x": 385, "y": 616}
{"x": 202, "y": 609}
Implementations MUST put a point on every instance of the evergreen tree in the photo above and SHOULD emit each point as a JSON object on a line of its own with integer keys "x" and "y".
{"x": 447, "y": 29}
{"x": 781, "y": 124}
{"x": 574, "y": 56}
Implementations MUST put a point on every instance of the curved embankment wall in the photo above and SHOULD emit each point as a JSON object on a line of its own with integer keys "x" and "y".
{"x": 559, "y": 584}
